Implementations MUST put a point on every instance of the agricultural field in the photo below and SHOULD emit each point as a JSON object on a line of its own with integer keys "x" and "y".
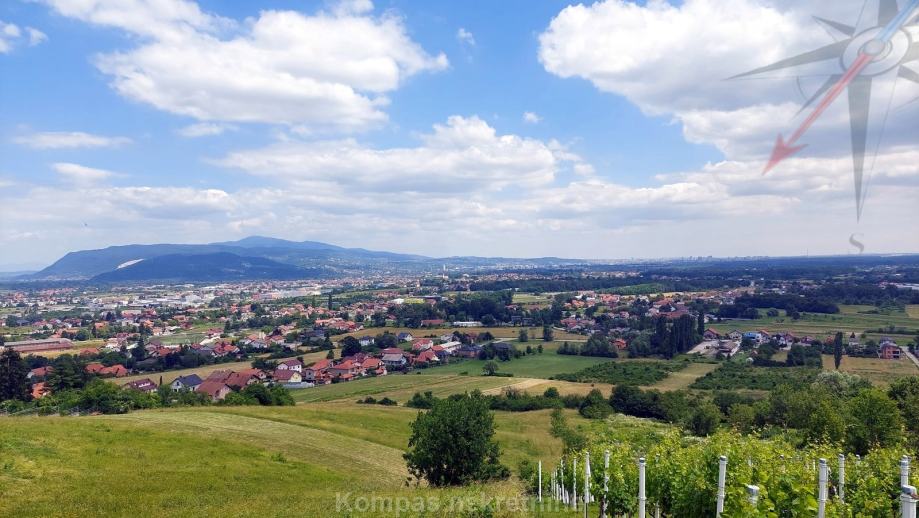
{"x": 857, "y": 319}
{"x": 497, "y": 332}
{"x": 231, "y": 461}
{"x": 535, "y": 365}
{"x": 531, "y": 298}
{"x": 401, "y": 387}
{"x": 632, "y": 372}
{"x": 683, "y": 378}
{"x": 876, "y": 370}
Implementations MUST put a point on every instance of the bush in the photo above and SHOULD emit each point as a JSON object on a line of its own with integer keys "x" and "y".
{"x": 632, "y": 372}
{"x": 424, "y": 401}
{"x": 595, "y": 406}
{"x": 735, "y": 375}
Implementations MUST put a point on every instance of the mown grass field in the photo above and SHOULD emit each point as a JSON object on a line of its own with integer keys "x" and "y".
{"x": 683, "y": 378}
{"x": 251, "y": 461}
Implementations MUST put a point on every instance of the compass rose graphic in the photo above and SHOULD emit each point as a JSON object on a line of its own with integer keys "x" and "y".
{"x": 870, "y": 58}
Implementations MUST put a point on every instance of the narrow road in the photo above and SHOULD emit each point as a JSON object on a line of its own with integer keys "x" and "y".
{"x": 910, "y": 355}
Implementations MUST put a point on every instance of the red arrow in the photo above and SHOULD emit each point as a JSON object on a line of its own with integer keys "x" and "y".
{"x": 784, "y": 149}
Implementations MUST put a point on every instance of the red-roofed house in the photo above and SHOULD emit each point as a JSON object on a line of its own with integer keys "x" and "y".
{"x": 287, "y": 376}
{"x": 221, "y": 376}
{"x": 318, "y": 373}
{"x": 241, "y": 380}
{"x": 427, "y": 357}
{"x": 216, "y": 390}
{"x": 345, "y": 371}
{"x": 115, "y": 371}
{"x": 374, "y": 366}
{"x": 422, "y": 344}
{"x": 39, "y": 390}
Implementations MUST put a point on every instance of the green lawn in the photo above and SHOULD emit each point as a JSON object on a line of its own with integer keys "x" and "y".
{"x": 251, "y": 461}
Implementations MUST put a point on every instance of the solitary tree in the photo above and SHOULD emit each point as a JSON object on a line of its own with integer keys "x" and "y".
{"x": 454, "y": 444}
{"x": 523, "y": 336}
{"x": 837, "y": 350}
{"x": 13, "y": 381}
{"x": 548, "y": 334}
{"x": 490, "y": 368}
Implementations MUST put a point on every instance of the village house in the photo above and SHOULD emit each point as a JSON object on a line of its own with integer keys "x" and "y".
{"x": 450, "y": 347}
{"x": 469, "y": 351}
{"x": 889, "y": 350}
{"x": 436, "y": 322}
{"x": 241, "y": 380}
{"x": 293, "y": 364}
{"x": 422, "y": 344}
{"x": 39, "y": 373}
{"x": 427, "y": 357}
{"x": 288, "y": 376}
{"x": 345, "y": 371}
{"x": 374, "y": 367}
{"x": 190, "y": 382}
{"x": 394, "y": 358}
{"x": 317, "y": 373}
{"x": 216, "y": 390}
{"x": 711, "y": 334}
{"x": 221, "y": 376}
{"x": 145, "y": 385}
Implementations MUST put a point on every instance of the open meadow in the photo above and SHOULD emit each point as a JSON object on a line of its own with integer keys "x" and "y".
{"x": 876, "y": 370}
{"x": 251, "y": 461}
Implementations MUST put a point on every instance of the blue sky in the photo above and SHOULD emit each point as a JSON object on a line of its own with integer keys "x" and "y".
{"x": 416, "y": 137}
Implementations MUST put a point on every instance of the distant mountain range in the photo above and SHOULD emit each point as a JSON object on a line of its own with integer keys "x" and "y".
{"x": 252, "y": 258}
{"x": 216, "y": 267}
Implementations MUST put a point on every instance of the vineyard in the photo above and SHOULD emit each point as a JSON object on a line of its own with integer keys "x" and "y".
{"x": 767, "y": 478}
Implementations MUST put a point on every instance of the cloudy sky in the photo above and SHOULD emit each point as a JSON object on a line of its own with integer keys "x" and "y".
{"x": 513, "y": 128}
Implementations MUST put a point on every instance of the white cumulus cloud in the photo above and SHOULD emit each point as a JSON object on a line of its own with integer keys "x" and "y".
{"x": 81, "y": 174}
{"x": 328, "y": 71}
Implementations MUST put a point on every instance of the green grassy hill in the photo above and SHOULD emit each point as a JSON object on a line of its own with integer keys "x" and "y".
{"x": 247, "y": 461}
